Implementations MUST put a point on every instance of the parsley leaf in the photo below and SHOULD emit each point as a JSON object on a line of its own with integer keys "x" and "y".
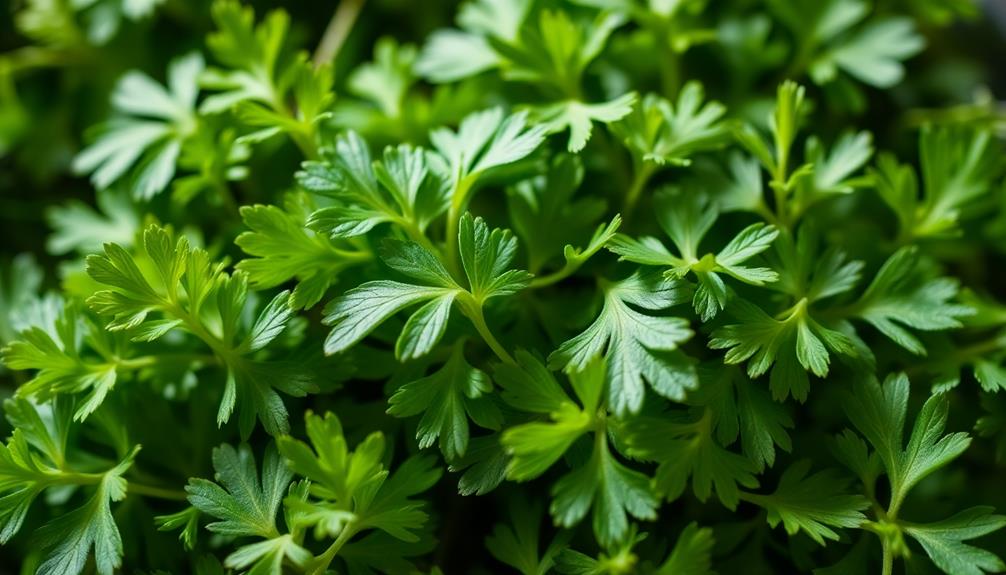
{"x": 351, "y": 492}
{"x": 603, "y": 483}
{"x": 446, "y": 399}
{"x": 517, "y": 545}
{"x": 878, "y": 412}
{"x": 528, "y": 385}
{"x": 636, "y": 346}
{"x": 486, "y": 256}
{"x": 285, "y": 248}
{"x": 69, "y": 541}
{"x": 692, "y": 553}
{"x": 901, "y": 294}
{"x": 246, "y": 505}
{"x": 685, "y": 447}
{"x": 944, "y": 541}
{"x": 791, "y": 343}
{"x": 686, "y": 220}
{"x": 958, "y": 168}
{"x": 829, "y": 39}
{"x": 660, "y": 132}
{"x": 261, "y": 79}
{"x": 188, "y": 289}
{"x": 146, "y": 140}
{"x": 814, "y": 504}
{"x": 399, "y": 189}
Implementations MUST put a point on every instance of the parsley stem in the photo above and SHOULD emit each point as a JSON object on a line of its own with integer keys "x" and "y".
{"x": 554, "y": 277}
{"x": 644, "y": 171}
{"x": 888, "y": 568}
{"x": 322, "y": 562}
{"x": 479, "y": 321}
{"x": 459, "y": 201}
{"x": 135, "y": 363}
{"x": 411, "y": 229}
{"x": 337, "y": 31}
{"x": 194, "y": 325}
{"x": 668, "y": 60}
{"x": 158, "y": 492}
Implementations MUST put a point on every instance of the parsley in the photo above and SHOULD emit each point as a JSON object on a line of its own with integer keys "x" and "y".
{"x": 591, "y": 287}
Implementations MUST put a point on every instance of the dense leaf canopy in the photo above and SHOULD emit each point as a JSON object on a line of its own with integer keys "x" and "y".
{"x": 667, "y": 287}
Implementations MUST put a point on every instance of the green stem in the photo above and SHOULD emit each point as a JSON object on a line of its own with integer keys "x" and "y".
{"x": 459, "y": 201}
{"x": 415, "y": 234}
{"x": 158, "y": 492}
{"x": 554, "y": 277}
{"x": 321, "y": 563}
{"x": 220, "y": 349}
{"x": 798, "y": 65}
{"x": 644, "y": 171}
{"x": 670, "y": 62}
{"x": 888, "y": 568}
{"x": 337, "y": 31}
{"x": 305, "y": 142}
{"x": 77, "y": 478}
{"x": 474, "y": 312}
{"x": 136, "y": 363}
{"x": 227, "y": 198}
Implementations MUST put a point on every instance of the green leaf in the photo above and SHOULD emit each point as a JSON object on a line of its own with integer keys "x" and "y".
{"x": 617, "y": 557}
{"x": 244, "y": 502}
{"x": 743, "y": 408}
{"x": 944, "y": 541}
{"x": 833, "y": 169}
{"x": 793, "y": 342}
{"x": 814, "y": 504}
{"x": 360, "y": 310}
{"x": 392, "y": 510}
{"x": 484, "y": 141}
{"x": 536, "y": 446}
{"x": 377, "y": 552}
{"x": 548, "y": 219}
{"x": 874, "y": 53}
{"x": 79, "y": 228}
{"x": 636, "y": 346}
{"x": 686, "y": 220}
{"x": 687, "y": 449}
{"x": 387, "y": 79}
{"x": 61, "y": 366}
{"x": 613, "y": 490}
{"x": 807, "y": 271}
{"x": 335, "y": 472}
{"x": 146, "y": 138}
{"x": 879, "y": 413}
{"x": 784, "y": 123}
{"x": 447, "y": 399}
{"x": 260, "y": 76}
{"x": 579, "y": 117}
{"x": 664, "y": 133}
{"x": 210, "y": 305}
{"x": 692, "y": 553}
{"x": 959, "y": 166}
{"x": 284, "y": 248}
{"x": 517, "y": 543}
{"x": 451, "y": 54}
{"x": 19, "y": 285}
{"x": 398, "y": 189}
{"x": 902, "y": 294}
{"x": 68, "y": 541}
{"x": 486, "y": 256}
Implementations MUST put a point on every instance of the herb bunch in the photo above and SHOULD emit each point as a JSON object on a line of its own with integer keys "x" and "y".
{"x": 562, "y": 286}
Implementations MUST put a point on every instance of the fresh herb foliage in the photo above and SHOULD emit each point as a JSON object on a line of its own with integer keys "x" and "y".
{"x": 541, "y": 286}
